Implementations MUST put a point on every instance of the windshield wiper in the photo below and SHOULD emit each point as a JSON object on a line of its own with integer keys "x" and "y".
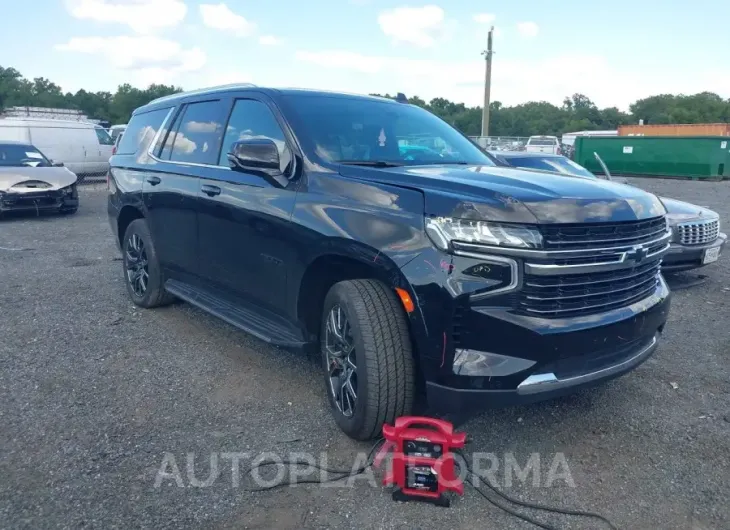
{"x": 370, "y": 163}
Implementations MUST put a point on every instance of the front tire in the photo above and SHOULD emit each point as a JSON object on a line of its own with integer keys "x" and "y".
{"x": 142, "y": 271}
{"x": 367, "y": 357}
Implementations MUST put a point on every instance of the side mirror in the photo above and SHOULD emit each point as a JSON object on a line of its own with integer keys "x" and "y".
{"x": 260, "y": 154}
{"x": 56, "y": 164}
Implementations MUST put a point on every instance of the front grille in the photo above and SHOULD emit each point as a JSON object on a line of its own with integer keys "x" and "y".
{"x": 698, "y": 232}
{"x": 566, "y": 295}
{"x": 598, "y": 235}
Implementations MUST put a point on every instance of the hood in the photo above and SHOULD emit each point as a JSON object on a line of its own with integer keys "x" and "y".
{"x": 686, "y": 209}
{"x": 515, "y": 195}
{"x": 57, "y": 177}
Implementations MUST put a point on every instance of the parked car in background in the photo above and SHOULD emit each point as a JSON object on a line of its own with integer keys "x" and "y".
{"x": 116, "y": 130}
{"x": 83, "y": 147}
{"x": 29, "y": 181}
{"x": 696, "y": 236}
{"x": 116, "y": 143}
{"x": 543, "y": 144}
{"x": 297, "y": 216}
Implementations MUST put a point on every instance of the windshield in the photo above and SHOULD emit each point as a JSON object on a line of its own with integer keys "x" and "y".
{"x": 362, "y": 131}
{"x": 18, "y": 155}
{"x": 558, "y": 164}
{"x": 542, "y": 141}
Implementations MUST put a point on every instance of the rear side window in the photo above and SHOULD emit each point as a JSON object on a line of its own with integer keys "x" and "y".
{"x": 198, "y": 137}
{"x": 103, "y": 136}
{"x": 141, "y": 131}
{"x": 253, "y": 119}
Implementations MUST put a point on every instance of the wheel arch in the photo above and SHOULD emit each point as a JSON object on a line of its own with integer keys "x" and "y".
{"x": 127, "y": 214}
{"x": 351, "y": 260}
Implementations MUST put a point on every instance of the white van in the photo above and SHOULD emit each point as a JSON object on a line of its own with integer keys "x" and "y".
{"x": 543, "y": 144}
{"x": 83, "y": 147}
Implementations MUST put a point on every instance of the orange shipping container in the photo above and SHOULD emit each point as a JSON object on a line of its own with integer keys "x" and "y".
{"x": 685, "y": 129}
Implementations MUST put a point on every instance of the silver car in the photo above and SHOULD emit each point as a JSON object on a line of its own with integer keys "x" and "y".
{"x": 31, "y": 182}
{"x": 696, "y": 237}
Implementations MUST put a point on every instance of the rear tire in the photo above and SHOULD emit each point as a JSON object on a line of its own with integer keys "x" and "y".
{"x": 142, "y": 271}
{"x": 383, "y": 379}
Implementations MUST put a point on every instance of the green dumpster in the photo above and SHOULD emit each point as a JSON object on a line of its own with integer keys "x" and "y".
{"x": 696, "y": 157}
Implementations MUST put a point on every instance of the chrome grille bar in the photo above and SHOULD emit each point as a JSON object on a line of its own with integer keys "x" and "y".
{"x": 698, "y": 232}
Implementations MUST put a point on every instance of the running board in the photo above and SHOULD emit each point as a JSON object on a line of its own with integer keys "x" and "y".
{"x": 258, "y": 322}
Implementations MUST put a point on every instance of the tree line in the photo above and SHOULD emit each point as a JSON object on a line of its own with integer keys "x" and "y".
{"x": 116, "y": 107}
{"x": 577, "y": 112}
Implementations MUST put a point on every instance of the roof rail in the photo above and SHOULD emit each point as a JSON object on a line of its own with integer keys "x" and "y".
{"x": 217, "y": 88}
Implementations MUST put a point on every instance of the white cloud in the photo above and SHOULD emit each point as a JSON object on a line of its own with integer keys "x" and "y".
{"x": 463, "y": 81}
{"x": 142, "y": 16}
{"x": 269, "y": 40}
{"x": 485, "y": 18}
{"x": 528, "y": 29}
{"x": 342, "y": 59}
{"x": 133, "y": 53}
{"x": 220, "y": 16}
{"x": 420, "y": 26}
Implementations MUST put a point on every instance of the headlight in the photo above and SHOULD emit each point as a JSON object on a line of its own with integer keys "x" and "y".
{"x": 68, "y": 191}
{"x": 443, "y": 230}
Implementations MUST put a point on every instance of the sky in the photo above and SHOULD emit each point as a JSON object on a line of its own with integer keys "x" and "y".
{"x": 615, "y": 52}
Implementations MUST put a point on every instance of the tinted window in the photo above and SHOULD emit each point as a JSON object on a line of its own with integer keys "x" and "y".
{"x": 103, "y": 137}
{"x": 18, "y": 155}
{"x": 198, "y": 138}
{"x": 171, "y": 133}
{"x": 141, "y": 131}
{"x": 360, "y": 129}
{"x": 555, "y": 164}
{"x": 253, "y": 119}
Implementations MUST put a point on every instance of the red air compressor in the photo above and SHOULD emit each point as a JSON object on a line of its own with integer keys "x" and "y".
{"x": 423, "y": 465}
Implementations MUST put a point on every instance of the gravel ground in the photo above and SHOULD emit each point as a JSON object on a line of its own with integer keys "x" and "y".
{"x": 96, "y": 392}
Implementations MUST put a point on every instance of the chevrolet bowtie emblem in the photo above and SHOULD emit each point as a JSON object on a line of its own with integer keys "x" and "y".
{"x": 636, "y": 254}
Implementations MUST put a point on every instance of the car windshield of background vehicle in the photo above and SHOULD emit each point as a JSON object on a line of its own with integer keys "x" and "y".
{"x": 103, "y": 136}
{"x": 18, "y": 155}
{"x": 370, "y": 131}
{"x": 551, "y": 143}
{"x": 557, "y": 164}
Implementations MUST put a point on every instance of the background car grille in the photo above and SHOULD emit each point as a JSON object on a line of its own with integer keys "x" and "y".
{"x": 580, "y": 236}
{"x": 569, "y": 295}
{"x": 698, "y": 232}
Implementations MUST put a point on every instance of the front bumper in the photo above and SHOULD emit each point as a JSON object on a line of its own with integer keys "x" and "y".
{"x": 551, "y": 381}
{"x": 557, "y": 356}
{"x": 38, "y": 201}
{"x": 685, "y": 257}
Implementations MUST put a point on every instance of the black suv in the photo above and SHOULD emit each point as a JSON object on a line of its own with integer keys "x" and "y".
{"x": 374, "y": 232}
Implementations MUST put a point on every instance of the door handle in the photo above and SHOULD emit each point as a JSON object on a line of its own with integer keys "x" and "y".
{"x": 210, "y": 191}
{"x": 154, "y": 180}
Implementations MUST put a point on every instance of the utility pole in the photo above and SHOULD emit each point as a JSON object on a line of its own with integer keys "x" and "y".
{"x": 487, "y": 83}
